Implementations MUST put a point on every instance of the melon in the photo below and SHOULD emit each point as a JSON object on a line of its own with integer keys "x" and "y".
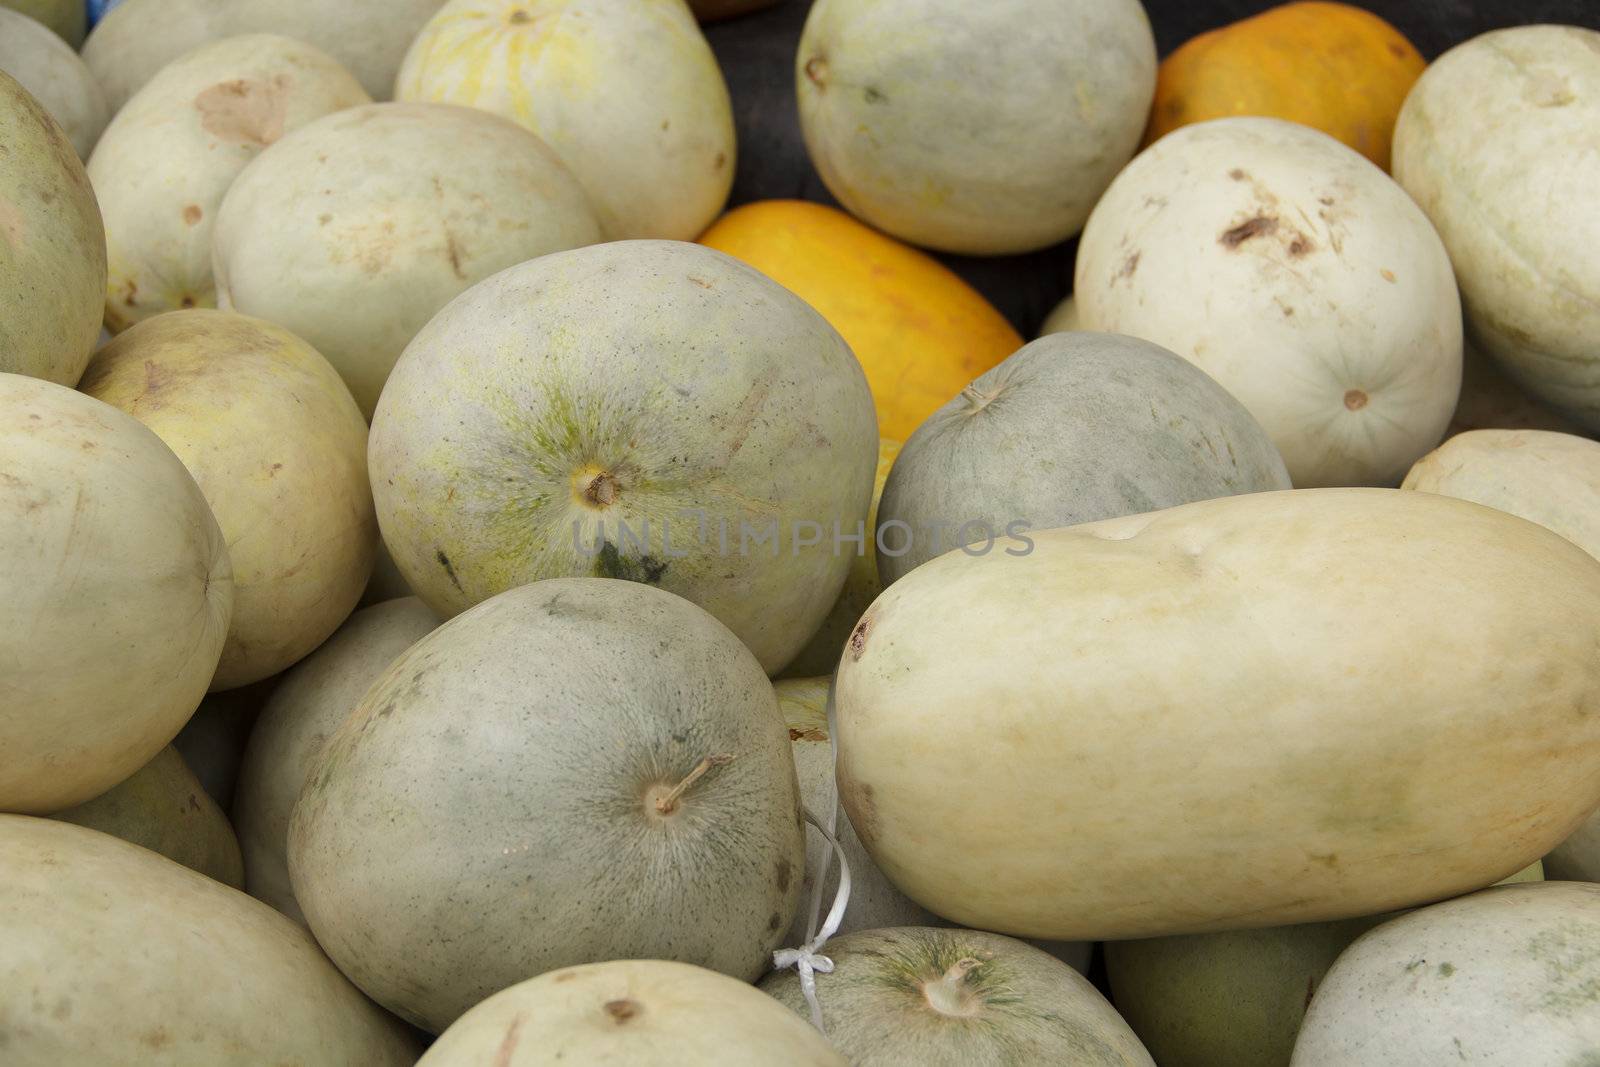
{"x": 627, "y": 92}
{"x": 1064, "y": 319}
{"x": 653, "y": 411}
{"x": 307, "y": 707}
{"x": 1499, "y": 142}
{"x": 271, "y": 435}
{"x": 139, "y": 37}
{"x": 213, "y": 741}
{"x": 163, "y": 807}
{"x": 165, "y": 162}
{"x": 68, "y": 18}
{"x": 115, "y": 595}
{"x": 115, "y": 955}
{"x": 46, "y": 66}
{"x": 959, "y": 998}
{"x": 1508, "y": 977}
{"x": 1490, "y": 400}
{"x": 1578, "y": 857}
{"x": 1225, "y": 715}
{"x": 1073, "y": 428}
{"x": 630, "y": 1012}
{"x": 983, "y": 128}
{"x": 354, "y": 231}
{"x": 1298, "y": 275}
{"x": 622, "y": 788}
{"x": 920, "y": 332}
{"x": 52, "y": 246}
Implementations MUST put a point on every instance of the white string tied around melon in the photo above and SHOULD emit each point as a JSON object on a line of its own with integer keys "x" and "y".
{"x": 808, "y": 959}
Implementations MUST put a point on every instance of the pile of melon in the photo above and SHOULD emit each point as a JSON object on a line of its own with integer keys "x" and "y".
{"x": 481, "y": 584}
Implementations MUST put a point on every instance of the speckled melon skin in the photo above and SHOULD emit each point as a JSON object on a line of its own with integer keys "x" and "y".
{"x": 354, "y": 231}
{"x": 307, "y": 707}
{"x": 52, "y": 246}
{"x": 1072, "y": 428}
{"x": 115, "y": 594}
{"x": 626, "y": 92}
{"x": 959, "y": 998}
{"x": 49, "y": 69}
{"x": 488, "y": 812}
{"x": 631, "y": 1013}
{"x": 162, "y": 807}
{"x": 1509, "y": 977}
{"x": 115, "y": 955}
{"x": 169, "y": 156}
{"x": 541, "y": 420}
{"x": 272, "y": 436}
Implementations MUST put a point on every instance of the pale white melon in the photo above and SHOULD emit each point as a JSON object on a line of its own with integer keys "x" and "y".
{"x": 115, "y": 595}
{"x": 47, "y": 67}
{"x": 1295, "y": 273}
{"x": 356, "y": 230}
{"x": 279, "y": 448}
{"x": 167, "y": 159}
{"x": 1064, "y": 319}
{"x": 627, "y": 92}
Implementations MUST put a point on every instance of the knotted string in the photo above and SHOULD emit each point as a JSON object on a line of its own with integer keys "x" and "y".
{"x": 808, "y": 959}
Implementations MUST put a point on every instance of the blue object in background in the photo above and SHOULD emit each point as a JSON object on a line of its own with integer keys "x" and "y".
{"x": 98, "y": 9}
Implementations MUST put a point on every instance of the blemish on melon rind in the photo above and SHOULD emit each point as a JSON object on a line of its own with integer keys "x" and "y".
{"x": 858, "y": 638}
{"x": 1238, "y": 235}
{"x": 449, "y": 570}
{"x": 622, "y": 1010}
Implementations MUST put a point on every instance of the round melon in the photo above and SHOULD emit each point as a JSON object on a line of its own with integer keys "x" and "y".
{"x": 626, "y": 92}
{"x": 46, "y": 66}
{"x": 1490, "y": 400}
{"x": 1219, "y": 1000}
{"x": 976, "y": 128}
{"x": 115, "y": 955}
{"x": 1299, "y": 276}
{"x": 920, "y": 332}
{"x": 167, "y": 159}
{"x": 271, "y": 435}
{"x": 1064, "y": 319}
{"x": 1509, "y": 977}
{"x": 163, "y": 808}
{"x": 652, "y": 411}
{"x": 623, "y": 788}
{"x": 632, "y": 1013}
{"x": 139, "y": 37}
{"x": 959, "y": 998}
{"x": 1230, "y": 714}
{"x": 52, "y": 246}
{"x": 307, "y": 707}
{"x": 356, "y": 230}
{"x": 861, "y": 586}
{"x": 1073, "y": 428}
{"x": 68, "y": 18}
{"x": 115, "y": 595}
{"x": 1500, "y": 145}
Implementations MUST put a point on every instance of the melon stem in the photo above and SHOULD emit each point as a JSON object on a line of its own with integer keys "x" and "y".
{"x": 668, "y": 801}
{"x": 948, "y": 994}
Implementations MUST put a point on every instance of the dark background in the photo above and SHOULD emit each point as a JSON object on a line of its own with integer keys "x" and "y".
{"x": 757, "y": 53}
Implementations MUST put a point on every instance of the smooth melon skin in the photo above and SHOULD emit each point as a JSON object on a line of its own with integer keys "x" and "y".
{"x": 626, "y": 92}
{"x": 982, "y": 129}
{"x": 631, "y": 1013}
{"x": 1075, "y": 427}
{"x": 441, "y": 856}
{"x": 115, "y": 595}
{"x": 1499, "y": 143}
{"x": 649, "y": 410}
{"x": 1307, "y": 683}
{"x": 1064, "y": 319}
{"x": 356, "y": 230}
{"x": 115, "y": 955}
{"x": 68, "y": 18}
{"x": 170, "y": 154}
{"x": 139, "y": 37}
{"x": 1509, "y": 977}
{"x": 959, "y": 998}
{"x": 52, "y": 246}
{"x": 44, "y": 65}
{"x": 920, "y": 332}
{"x": 308, "y": 706}
{"x": 1233, "y": 999}
{"x": 1299, "y": 276}
{"x": 162, "y": 807}
{"x": 272, "y": 435}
